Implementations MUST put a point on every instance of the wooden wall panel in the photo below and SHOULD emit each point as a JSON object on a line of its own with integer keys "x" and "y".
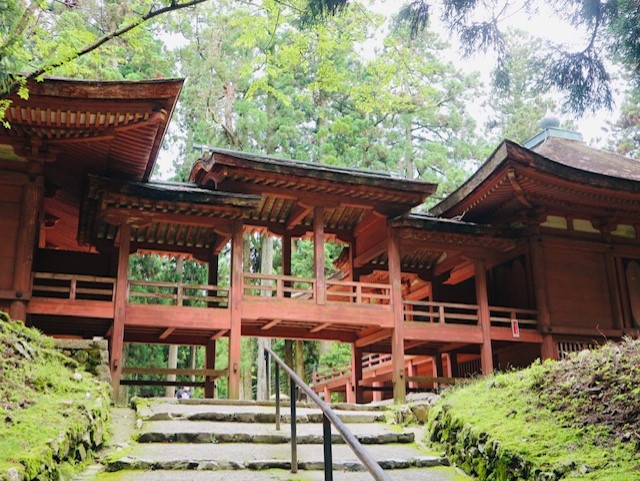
{"x": 577, "y": 290}
{"x": 9, "y": 223}
{"x": 52, "y": 260}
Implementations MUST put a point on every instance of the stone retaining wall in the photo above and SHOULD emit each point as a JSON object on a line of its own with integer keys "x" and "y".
{"x": 92, "y": 354}
{"x": 481, "y": 456}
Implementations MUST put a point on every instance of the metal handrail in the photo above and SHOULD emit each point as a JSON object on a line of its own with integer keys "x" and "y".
{"x": 328, "y": 418}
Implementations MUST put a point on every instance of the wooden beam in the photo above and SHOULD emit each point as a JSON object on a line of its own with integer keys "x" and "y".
{"x": 32, "y": 195}
{"x": 120, "y": 312}
{"x": 297, "y": 215}
{"x": 356, "y": 373}
{"x": 320, "y": 327}
{"x": 371, "y": 253}
{"x": 373, "y": 337}
{"x": 237, "y": 289}
{"x": 318, "y": 255}
{"x": 397, "y": 337}
{"x": 165, "y": 317}
{"x": 271, "y": 324}
{"x": 218, "y": 334}
{"x": 167, "y": 333}
{"x": 484, "y": 316}
{"x": 539, "y": 276}
{"x": 210, "y": 363}
{"x": 219, "y": 244}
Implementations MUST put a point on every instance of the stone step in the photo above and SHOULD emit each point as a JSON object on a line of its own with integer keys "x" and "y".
{"x": 413, "y": 474}
{"x": 236, "y": 432}
{"x": 283, "y": 400}
{"x": 246, "y": 413}
{"x": 232, "y": 456}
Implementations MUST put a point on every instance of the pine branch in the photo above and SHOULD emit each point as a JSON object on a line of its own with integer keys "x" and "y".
{"x": 15, "y": 84}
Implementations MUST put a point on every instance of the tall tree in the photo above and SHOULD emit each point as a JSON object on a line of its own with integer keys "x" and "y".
{"x": 38, "y": 38}
{"x": 581, "y": 74}
{"x": 516, "y": 104}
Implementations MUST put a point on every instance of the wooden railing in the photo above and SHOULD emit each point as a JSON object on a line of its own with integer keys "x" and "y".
{"x": 502, "y": 317}
{"x": 358, "y": 292}
{"x": 208, "y": 374}
{"x": 376, "y": 359}
{"x": 178, "y": 294}
{"x": 467, "y": 314}
{"x": 440, "y": 312}
{"x": 73, "y": 286}
{"x": 265, "y": 285}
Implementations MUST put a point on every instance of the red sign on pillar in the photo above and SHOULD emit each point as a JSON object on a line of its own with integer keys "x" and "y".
{"x": 515, "y": 328}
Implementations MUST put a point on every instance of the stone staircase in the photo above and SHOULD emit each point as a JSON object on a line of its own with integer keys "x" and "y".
{"x": 219, "y": 440}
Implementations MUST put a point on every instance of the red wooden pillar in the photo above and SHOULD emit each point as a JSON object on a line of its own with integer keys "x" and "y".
{"x": 356, "y": 373}
{"x": 377, "y": 393}
{"x": 235, "y": 305}
{"x": 327, "y": 394}
{"x": 318, "y": 254}
{"x": 117, "y": 336}
{"x": 412, "y": 371}
{"x": 548, "y": 349}
{"x": 210, "y": 348}
{"x": 29, "y": 215}
{"x": 397, "y": 338}
{"x": 486, "y": 352}
{"x": 210, "y": 363}
{"x": 453, "y": 364}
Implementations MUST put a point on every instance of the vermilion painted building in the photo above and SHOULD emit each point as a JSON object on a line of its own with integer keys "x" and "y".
{"x": 537, "y": 254}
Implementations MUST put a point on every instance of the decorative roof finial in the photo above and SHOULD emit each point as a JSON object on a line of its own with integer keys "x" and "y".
{"x": 549, "y": 120}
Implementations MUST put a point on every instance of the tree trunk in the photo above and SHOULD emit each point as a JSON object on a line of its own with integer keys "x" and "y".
{"x": 266, "y": 267}
{"x": 170, "y": 391}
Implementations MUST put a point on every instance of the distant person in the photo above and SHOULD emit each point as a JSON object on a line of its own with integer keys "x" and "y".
{"x": 184, "y": 393}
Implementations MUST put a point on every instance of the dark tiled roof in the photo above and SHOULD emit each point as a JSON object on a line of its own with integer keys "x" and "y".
{"x": 580, "y": 156}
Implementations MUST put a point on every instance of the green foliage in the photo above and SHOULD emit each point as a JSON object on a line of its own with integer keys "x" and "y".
{"x": 39, "y": 384}
{"x": 581, "y": 75}
{"x": 625, "y": 132}
{"x": 566, "y": 420}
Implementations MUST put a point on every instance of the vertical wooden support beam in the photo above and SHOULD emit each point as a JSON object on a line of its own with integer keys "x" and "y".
{"x": 356, "y": 373}
{"x": 350, "y": 392}
{"x": 318, "y": 254}
{"x": 29, "y": 214}
{"x": 326, "y": 394}
{"x": 538, "y": 273}
{"x": 209, "y": 363}
{"x": 614, "y": 290}
{"x": 453, "y": 364}
{"x": 235, "y": 304}
{"x": 397, "y": 337}
{"x": 286, "y": 257}
{"x": 117, "y": 336}
{"x": 624, "y": 293}
{"x": 377, "y": 393}
{"x": 486, "y": 352}
{"x": 412, "y": 370}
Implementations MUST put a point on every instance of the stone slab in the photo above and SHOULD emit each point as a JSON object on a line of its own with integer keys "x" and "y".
{"x": 433, "y": 474}
{"x": 249, "y": 413}
{"x": 214, "y": 457}
{"x": 236, "y": 432}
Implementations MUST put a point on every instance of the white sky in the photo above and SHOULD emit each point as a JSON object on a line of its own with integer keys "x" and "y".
{"x": 545, "y": 25}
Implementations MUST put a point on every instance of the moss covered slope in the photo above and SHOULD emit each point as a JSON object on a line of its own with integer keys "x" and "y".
{"x": 577, "y": 419}
{"x": 52, "y": 413}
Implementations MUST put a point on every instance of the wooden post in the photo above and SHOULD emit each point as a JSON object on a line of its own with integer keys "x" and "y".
{"x": 377, "y": 393}
{"x": 413, "y": 371}
{"x": 326, "y": 394}
{"x": 350, "y": 392}
{"x": 210, "y": 363}
{"x": 538, "y": 273}
{"x": 486, "y": 352}
{"x": 318, "y": 254}
{"x": 356, "y": 373}
{"x": 397, "y": 337}
{"x": 286, "y": 254}
{"x": 117, "y": 336}
{"x": 624, "y": 293}
{"x": 29, "y": 215}
{"x": 614, "y": 291}
{"x": 453, "y": 364}
{"x": 235, "y": 305}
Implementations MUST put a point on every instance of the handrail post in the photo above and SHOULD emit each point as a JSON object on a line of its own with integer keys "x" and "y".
{"x": 277, "y": 383}
{"x": 441, "y": 314}
{"x": 326, "y": 439}
{"x": 294, "y": 441}
{"x": 73, "y": 288}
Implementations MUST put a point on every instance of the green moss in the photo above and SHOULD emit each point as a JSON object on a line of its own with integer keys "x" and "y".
{"x": 524, "y": 424}
{"x": 53, "y": 414}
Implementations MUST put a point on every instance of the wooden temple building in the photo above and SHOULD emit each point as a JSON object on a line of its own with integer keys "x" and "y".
{"x": 537, "y": 254}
